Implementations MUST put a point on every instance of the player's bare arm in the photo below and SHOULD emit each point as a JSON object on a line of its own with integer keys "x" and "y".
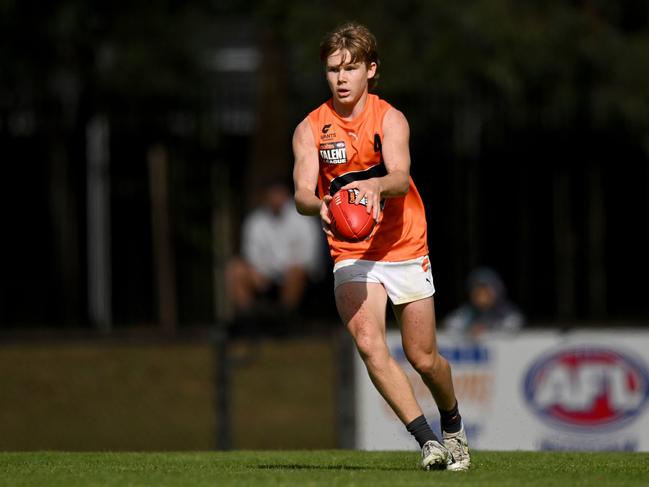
{"x": 396, "y": 156}
{"x": 305, "y": 176}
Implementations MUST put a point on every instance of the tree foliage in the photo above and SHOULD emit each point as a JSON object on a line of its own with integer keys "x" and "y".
{"x": 553, "y": 63}
{"x": 486, "y": 84}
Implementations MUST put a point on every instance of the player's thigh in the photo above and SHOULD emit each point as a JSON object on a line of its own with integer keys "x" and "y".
{"x": 417, "y": 322}
{"x": 361, "y": 306}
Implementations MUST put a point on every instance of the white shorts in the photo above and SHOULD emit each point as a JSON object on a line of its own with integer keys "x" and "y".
{"x": 404, "y": 281}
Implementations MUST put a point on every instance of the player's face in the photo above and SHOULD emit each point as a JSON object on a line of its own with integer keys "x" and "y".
{"x": 347, "y": 80}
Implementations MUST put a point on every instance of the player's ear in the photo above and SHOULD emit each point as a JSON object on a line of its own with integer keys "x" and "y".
{"x": 371, "y": 70}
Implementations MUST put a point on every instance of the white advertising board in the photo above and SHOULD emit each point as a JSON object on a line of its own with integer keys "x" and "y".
{"x": 579, "y": 390}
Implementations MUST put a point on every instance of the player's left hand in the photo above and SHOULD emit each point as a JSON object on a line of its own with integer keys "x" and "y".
{"x": 371, "y": 190}
{"x": 324, "y": 215}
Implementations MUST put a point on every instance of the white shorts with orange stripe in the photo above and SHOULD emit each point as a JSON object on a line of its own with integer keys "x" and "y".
{"x": 404, "y": 281}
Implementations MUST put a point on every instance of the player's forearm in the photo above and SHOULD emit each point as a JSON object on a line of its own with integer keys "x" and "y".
{"x": 394, "y": 184}
{"x": 307, "y": 203}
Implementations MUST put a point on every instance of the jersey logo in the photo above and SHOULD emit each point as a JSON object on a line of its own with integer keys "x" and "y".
{"x": 328, "y": 133}
{"x": 333, "y": 152}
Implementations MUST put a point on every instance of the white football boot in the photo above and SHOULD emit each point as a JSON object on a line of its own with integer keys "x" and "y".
{"x": 435, "y": 456}
{"x": 458, "y": 445}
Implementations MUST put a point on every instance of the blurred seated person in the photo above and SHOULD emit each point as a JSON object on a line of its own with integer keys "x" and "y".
{"x": 487, "y": 308}
{"x": 280, "y": 251}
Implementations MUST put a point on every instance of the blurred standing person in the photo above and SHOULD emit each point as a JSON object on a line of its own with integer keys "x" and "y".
{"x": 356, "y": 140}
{"x": 280, "y": 252}
{"x": 487, "y": 308}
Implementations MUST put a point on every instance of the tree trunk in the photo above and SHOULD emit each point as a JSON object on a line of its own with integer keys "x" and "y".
{"x": 163, "y": 264}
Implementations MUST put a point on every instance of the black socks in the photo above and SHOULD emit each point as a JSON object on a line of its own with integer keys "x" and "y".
{"x": 451, "y": 420}
{"x": 420, "y": 429}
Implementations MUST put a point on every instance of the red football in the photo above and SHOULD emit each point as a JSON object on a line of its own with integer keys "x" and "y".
{"x": 350, "y": 221}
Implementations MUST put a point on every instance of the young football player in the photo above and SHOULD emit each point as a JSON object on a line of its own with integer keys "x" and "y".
{"x": 371, "y": 142}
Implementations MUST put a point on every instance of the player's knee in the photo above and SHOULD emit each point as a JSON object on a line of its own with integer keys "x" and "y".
{"x": 428, "y": 364}
{"x": 371, "y": 348}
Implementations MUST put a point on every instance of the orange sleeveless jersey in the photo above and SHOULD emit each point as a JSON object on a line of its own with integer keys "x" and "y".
{"x": 351, "y": 150}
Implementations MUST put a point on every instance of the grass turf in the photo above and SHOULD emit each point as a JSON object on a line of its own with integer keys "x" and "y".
{"x": 315, "y": 468}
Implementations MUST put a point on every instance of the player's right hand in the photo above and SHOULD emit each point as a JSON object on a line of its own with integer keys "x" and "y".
{"x": 324, "y": 215}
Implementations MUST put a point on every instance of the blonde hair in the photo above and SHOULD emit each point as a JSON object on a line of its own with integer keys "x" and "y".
{"x": 358, "y": 41}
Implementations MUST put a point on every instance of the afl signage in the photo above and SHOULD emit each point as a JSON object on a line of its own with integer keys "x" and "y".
{"x": 587, "y": 388}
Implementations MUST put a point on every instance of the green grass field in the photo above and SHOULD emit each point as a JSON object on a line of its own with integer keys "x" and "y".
{"x": 315, "y": 468}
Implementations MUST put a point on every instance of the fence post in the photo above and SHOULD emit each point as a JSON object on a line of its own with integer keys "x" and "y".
{"x": 346, "y": 394}
{"x": 222, "y": 251}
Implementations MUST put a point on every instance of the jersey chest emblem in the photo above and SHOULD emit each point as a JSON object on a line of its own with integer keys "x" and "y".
{"x": 333, "y": 152}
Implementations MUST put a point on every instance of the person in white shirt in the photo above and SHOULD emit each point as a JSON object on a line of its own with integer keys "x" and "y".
{"x": 280, "y": 251}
